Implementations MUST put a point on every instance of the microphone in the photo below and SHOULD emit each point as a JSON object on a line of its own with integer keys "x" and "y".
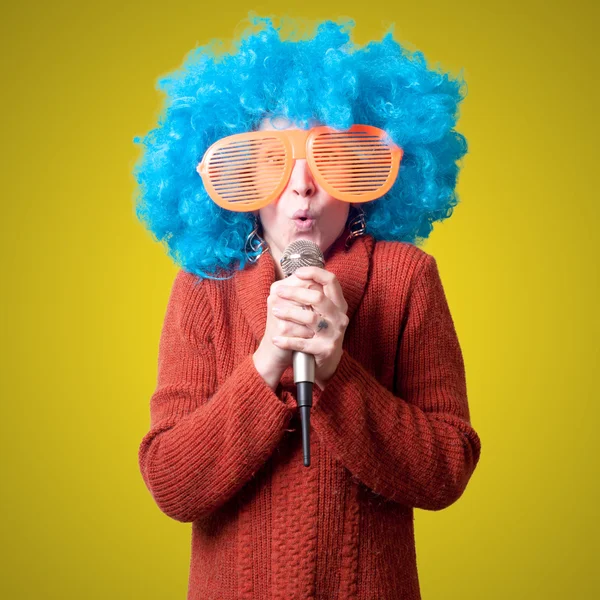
{"x": 303, "y": 253}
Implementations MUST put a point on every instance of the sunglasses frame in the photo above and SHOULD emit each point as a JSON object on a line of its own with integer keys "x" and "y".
{"x": 298, "y": 144}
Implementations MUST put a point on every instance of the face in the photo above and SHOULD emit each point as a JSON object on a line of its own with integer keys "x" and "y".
{"x": 302, "y": 197}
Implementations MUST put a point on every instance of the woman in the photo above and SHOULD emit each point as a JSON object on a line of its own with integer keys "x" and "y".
{"x": 390, "y": 414}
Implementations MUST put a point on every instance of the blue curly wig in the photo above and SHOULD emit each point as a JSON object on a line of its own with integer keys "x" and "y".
{"x": 325, "y": 77}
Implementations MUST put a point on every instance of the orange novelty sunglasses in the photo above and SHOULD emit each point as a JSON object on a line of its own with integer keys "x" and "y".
{"x": 246, "y": 171}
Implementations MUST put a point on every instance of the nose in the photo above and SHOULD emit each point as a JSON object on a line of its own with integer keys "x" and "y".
{"x": 301, "y": 179}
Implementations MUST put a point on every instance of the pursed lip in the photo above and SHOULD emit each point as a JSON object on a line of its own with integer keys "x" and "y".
{"x": 303, "y": 214}
{"x": 306, "y": 225}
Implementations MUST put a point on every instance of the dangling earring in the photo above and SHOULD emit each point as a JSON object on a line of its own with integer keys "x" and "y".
{"x": 254, "y": 243}
{"x": 357, "y": 226}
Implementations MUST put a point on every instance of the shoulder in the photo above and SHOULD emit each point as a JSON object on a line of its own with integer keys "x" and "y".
{"x": 403, "y": 260}
{"x": 187, "y": 282}
{"x": 189, "y": 305}
{"x": 188, "y": 290}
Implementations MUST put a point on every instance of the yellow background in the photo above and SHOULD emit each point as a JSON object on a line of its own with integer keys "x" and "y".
{"x": 85, "y": 289}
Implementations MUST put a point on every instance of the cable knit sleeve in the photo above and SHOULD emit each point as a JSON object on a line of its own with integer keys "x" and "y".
{"x": 417, "y": 447}
{"x": 204, "y": 443}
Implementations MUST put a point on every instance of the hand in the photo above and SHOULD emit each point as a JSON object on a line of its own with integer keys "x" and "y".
{"x": 327, "y": 322}
{"x": 271, "y": 360}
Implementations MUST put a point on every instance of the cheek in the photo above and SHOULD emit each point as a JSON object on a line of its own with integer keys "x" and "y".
{"x": 267, "y": 215}
{"x": 336, "y": 217}
{"x": 273, "y": 209}
{"x": 339, "y": 210}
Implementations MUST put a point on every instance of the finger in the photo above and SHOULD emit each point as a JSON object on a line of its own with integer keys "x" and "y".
{"x": 305, "y": 283}
{"x": 289, "y": 329}
{"x": 313, "y": 298}
{"x": 310, "y": 346}
{"x": 292, "y": 281}
{"x": 331, "y": 285}
{"x": 301, "y": 323}
{"x": 295, "y": 315}
{"x": 308, "y": 318}
{"x": 297, "y": 281}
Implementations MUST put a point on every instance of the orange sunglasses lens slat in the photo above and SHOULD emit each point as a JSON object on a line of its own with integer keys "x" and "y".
{"x": 357, "y": 165}
{"x": 247, "y": 171}
{"x": 244, "y": 172}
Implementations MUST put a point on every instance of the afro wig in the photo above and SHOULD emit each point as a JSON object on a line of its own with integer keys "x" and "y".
{"x": 324, "y": 77}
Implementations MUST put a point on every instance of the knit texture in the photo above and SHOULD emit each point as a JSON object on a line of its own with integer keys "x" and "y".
{"x": 390, "y": 432}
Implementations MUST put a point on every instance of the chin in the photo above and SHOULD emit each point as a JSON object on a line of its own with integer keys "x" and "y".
{"x": 313, "y": 236}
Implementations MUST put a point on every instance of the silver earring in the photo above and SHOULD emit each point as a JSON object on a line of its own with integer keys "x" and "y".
{"x": 357, "y": 226}
{"x": 254, "y": 243}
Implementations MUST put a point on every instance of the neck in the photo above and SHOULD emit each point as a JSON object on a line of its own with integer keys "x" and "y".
{"x": 276, "y": 254}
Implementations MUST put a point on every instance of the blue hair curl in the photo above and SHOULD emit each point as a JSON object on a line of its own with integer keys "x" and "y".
{"x": 325, "y": 77}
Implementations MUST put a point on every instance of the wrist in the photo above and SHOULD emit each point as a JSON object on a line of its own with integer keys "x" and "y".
{"x": 271, "y": 376}
{"x": 324, "y": 377}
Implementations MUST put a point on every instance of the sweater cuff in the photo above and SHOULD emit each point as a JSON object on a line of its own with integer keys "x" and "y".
{"x": 283, "y": 397}
{"x": 324, "y": 399}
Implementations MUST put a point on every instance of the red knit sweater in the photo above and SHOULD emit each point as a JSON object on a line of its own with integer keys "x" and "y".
{"x": 389, "y": 433}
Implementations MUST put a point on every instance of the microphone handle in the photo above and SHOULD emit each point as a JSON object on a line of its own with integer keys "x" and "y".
{"x": 304, "y": 377}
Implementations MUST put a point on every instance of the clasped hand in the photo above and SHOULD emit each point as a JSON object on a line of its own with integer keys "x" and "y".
{"x": 324, "y": 326}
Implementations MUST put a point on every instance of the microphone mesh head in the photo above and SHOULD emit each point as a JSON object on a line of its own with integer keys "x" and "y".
{"x": 301, "y": 253}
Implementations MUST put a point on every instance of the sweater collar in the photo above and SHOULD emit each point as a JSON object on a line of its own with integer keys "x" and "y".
{"x": 351, "y": 267}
